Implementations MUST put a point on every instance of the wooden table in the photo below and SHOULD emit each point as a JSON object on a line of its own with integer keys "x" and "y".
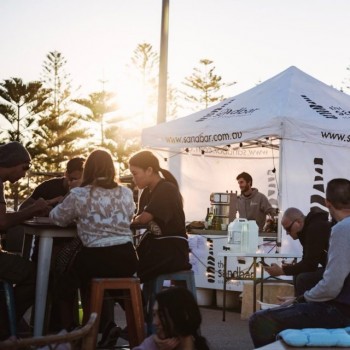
{"x": 46, "y": 233}
{"x": 256, "y": 279}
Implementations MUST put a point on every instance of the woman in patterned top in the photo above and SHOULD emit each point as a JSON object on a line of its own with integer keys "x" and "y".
{"x": 102, "y": 210}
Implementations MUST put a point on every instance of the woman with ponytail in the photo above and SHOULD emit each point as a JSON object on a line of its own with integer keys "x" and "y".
{"x": 102, "y": 210}
{"x": 164, "y": 248}
{"x": 177, "y": 320}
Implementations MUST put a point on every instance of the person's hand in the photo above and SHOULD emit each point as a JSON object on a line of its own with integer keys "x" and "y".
{"x": 274, "y": 270}
{"x": 286, "y": 301}
{"x": 74, "y": 183}
{"x": 167, "y": 343}
{"x": 41, "y": 207}
{"x": 53, "y": 201}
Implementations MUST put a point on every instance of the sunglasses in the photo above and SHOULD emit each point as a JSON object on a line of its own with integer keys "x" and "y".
{"x": 288, "y": 229}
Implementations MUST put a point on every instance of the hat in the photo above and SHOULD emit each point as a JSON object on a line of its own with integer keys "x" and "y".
{"x": 12, "y": 154}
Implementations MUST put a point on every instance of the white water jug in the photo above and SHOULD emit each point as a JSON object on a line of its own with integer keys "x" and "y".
{"x": 250, "y": 237}
{"x": 234, "y": 234}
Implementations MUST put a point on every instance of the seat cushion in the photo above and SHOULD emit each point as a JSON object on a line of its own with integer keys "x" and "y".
{"x": 337, "y": 337}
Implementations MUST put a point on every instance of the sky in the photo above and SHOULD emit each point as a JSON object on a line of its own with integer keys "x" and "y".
{"x": 248, "y": 40}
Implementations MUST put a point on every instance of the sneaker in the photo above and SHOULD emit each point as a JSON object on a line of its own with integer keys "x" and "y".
{"x": 124, "y": 333}
{"x": 110, "y": 336}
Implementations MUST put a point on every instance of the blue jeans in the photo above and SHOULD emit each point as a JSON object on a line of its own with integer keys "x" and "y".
{"x": 264, "y": 325}
{"x": 306, "y": 280}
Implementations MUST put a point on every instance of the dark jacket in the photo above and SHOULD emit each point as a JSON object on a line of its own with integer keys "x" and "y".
{"x": 314, "y": 239}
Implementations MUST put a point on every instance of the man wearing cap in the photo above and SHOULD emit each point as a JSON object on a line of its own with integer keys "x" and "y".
{"x": 14, "y": 162}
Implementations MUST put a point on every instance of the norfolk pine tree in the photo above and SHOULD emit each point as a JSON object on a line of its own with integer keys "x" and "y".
{"x": 21, "y": 104}
{"x": 59, "y": 132}
{"x": 204, "y": 86}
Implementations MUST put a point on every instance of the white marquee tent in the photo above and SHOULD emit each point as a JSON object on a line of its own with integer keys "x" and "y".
{"x": 291, "y": 132}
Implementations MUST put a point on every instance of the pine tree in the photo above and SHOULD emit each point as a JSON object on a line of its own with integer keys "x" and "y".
{"x": 145, "y": 69}
{"x": 21, "y": 105}
{"x": 59, "y": 128}
{"x": 98, "y": 104}
{"x": 204, "y": 86}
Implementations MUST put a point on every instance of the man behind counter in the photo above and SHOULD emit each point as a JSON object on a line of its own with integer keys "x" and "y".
{"x": 251, "y": 204}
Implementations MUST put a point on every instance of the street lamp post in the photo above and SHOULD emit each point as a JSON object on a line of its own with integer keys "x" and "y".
{"x": 163, "y": 63}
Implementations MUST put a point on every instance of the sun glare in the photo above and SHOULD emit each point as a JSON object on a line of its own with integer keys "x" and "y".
{"x": 134, "y": 106}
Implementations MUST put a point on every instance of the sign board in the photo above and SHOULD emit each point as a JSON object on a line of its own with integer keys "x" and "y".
{"x": 208, "y": 267}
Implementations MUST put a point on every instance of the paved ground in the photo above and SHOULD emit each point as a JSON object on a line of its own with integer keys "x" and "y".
{"x": 232, "y": 334}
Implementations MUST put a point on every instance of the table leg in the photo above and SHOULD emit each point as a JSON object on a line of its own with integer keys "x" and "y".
{"x": 254, "y": 284}
{"x": 27, "y": 246}
{"x": 224, "y": 296}
{"x": 42, "y": 281}
{"x": 262, "y": 280}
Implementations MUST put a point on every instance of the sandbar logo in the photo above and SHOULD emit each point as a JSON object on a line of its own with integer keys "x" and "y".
{"x": 332, "y": 112}
{"x": 210, "y": 262}
{"x": 223, "y": 111}
{"x": 317, "y": 198}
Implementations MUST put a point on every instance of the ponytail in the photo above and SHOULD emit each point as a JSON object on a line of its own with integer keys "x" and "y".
{"x": 169, "y": 177}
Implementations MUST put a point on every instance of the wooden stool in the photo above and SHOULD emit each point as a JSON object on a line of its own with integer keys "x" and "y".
{"x": 7, "y": 288}
{"x": 133, "y": 305}
{"x": 152, "y": 287}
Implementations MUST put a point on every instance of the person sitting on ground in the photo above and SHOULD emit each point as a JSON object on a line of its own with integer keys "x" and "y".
{"x": 327, "y": 304}
{"x": 313, "y": 232}
{"x": 177, "y": 320}
{"x": 14, "y": 163}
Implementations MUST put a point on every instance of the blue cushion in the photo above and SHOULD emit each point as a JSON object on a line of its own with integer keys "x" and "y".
{"x": 337, "y": 337}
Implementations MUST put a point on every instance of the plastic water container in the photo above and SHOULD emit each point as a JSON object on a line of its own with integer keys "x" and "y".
{"x": 253, "y": 237}
{"x": 234, "y": 234}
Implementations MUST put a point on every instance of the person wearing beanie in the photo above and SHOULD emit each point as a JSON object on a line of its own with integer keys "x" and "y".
{"x": 14, "y": 163}
{"x": 13, "y": 154}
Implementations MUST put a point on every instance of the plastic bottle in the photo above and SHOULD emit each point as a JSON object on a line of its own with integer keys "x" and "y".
{"x": 216, "y": 223}
{"x": 206, "y": 220}
{"x": 210, "y": 220}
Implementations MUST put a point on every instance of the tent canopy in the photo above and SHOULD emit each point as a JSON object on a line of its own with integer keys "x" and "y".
{"x": 291, "y": 105}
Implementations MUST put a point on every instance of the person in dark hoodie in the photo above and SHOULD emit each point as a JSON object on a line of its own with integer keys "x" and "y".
{"x": 313, "y": 232}
{"x": 253, "y": 205}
